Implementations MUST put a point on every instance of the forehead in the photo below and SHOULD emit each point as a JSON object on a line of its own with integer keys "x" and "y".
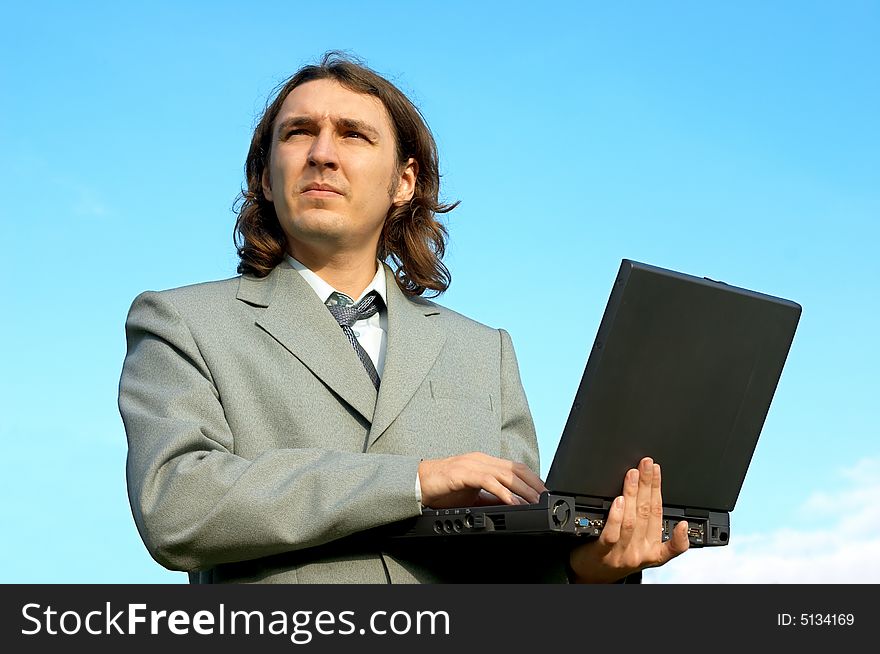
{"x": 325, "y": 99}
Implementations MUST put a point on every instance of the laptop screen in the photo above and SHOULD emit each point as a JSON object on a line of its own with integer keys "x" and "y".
{"x": 683, "y": 369}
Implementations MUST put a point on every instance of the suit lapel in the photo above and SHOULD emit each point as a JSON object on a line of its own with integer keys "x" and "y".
{"x": 299, "y": 321}
{"x": 413, "y": 345}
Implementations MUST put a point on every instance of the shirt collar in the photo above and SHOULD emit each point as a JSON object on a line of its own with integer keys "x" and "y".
{"x": 324, "y": 290}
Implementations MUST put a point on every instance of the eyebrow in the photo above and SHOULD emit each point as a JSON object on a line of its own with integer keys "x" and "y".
{"x": 349, "y": 124}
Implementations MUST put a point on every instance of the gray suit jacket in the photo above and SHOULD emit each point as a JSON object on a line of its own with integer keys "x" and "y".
{"x": 260, "y": 451}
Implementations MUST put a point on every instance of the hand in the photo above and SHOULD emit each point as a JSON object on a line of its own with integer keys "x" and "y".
{"x": 632, "y": 537}
{"x": 477, "y": 478}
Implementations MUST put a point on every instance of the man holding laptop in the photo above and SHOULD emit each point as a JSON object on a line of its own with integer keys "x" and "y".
{"x": 276, "y": 417}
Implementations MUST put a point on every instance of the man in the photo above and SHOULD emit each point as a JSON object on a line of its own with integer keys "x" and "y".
{"x": 276, "y": 420}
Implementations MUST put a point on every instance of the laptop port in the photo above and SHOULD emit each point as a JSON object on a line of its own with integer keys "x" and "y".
{"x": 695, "y": 533}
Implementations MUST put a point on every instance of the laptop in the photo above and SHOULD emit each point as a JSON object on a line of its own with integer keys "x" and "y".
{"x": 682, "y": 369}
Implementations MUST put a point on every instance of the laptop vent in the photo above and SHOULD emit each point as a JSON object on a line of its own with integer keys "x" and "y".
{"x": 498, "y": 521}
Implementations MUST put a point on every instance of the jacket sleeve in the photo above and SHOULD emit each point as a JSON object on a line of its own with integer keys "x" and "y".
{"x": 195, "y": 502}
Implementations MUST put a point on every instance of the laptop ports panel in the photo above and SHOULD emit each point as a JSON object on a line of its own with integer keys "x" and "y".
{"x": 711, "y": 531}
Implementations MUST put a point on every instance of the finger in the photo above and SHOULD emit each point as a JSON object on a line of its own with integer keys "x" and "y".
{"x": 611, "y": 531}
{"x": 487, "y": 499}
{"x": 524, "y": 489}
{"x": 527, "y": 475}
{"x": 630, "y": 496}
{"x": 643, "y": 499}
{"x": 502, "y": 492}
{"x": 521, "y": 475}
{"x": 478, "y": 471}
{"x": 512, "y": 476}
{"x": 518, "y": 477}
{"x": 655, "y": 521}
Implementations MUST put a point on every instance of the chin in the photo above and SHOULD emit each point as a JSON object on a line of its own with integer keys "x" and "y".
{"x": 317, "y": 221}
{"x": 311, "y": 228}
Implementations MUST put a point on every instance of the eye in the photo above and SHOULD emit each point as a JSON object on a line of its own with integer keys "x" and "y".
{"x": 356, "y": 135}
{"x": 296, "y": 132}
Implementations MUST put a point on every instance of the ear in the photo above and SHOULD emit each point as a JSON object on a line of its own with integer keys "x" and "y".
{"x": 406, "y": 186}
{"x": 267, "y": 186}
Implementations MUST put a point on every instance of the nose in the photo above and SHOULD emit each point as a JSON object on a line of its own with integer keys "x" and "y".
{"x": 323, "y": 151}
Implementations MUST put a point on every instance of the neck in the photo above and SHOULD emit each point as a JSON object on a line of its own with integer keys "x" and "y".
{"x": 347, "y": 272}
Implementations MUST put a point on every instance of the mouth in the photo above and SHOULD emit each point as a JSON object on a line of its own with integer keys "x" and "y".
{"x": 321, "y": 190}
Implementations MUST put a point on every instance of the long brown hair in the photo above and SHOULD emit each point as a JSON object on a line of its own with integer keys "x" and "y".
{"x": 412, "y": 239}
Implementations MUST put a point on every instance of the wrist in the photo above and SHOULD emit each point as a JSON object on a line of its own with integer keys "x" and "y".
{"x": 585, "y": 567}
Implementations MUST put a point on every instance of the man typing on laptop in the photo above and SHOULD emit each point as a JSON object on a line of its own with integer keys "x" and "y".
{"x": 274, "y": 418}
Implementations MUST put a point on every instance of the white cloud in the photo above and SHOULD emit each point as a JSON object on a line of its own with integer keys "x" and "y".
{"x": 840, "y": 542}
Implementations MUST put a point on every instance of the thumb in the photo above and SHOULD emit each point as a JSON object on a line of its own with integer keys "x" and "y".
{"x": 679, "y": 543}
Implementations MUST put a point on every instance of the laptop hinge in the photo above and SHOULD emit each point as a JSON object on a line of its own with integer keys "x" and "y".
{"x": 586, "y": 500}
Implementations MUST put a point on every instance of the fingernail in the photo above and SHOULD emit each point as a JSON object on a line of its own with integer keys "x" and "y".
{"x": 619, "y": 501}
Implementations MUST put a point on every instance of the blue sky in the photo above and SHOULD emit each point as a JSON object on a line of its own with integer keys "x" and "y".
{"x": 738, "y": 142}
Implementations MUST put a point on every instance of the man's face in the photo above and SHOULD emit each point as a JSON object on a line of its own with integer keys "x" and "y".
{"x": 333, "y": 172}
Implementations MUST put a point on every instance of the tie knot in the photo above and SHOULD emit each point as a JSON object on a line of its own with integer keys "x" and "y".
{"x": 346, "y": 313}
